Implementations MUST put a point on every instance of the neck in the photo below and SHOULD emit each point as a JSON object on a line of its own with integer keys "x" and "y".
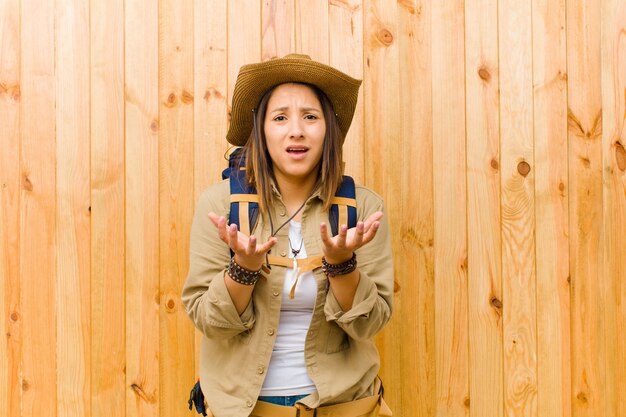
{"x": 295, "y": 193}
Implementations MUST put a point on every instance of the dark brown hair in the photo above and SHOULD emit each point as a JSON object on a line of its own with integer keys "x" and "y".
{"x": 259, "y": 166}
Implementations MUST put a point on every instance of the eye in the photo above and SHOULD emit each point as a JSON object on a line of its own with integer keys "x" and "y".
{"x": 279, "y": 118}
{"x": 310, "y": 117}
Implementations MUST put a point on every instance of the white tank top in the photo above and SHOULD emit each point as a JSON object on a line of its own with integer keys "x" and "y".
{"x": 287, "y": 374}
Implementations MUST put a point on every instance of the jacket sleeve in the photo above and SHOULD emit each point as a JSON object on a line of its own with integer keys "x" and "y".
{"x": 205, "y": 296}
{"x": 373, "y": 301}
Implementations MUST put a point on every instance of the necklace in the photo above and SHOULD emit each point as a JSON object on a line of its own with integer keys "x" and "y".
{"x": 295, "y": 254}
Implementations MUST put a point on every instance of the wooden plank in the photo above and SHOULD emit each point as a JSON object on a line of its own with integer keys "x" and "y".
{"x": 278, "y": 34}
{"x": 38, "y": 211}
{"x": 10, "y": 308}
{"x": 415, "y": 299}
{"x": 483, "y": 209}
{"x": 551, "y": 209}
{"x": 210, "y": 104}
{"x": 312, "y": 29}
{"x": 381, "y": 92}
{"x": 518, "y": 209}
{"x": 449, "y": 154}
{"x": 588, "y": 349}
{"x": 613, "y": 52}
{"x": 142, "y": 208}
{"x": 107, "y": 209}
{"x": 176, "y": 175}
{"x": 73, "y": 302}
{"x": 346, "y": 54}
{"x": 244, "y": 38}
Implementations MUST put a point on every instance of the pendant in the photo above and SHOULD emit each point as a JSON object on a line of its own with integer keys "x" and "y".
{"x": 295, "y": 266}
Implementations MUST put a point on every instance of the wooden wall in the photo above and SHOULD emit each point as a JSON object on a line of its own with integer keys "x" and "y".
{"x": 494, "y": 130}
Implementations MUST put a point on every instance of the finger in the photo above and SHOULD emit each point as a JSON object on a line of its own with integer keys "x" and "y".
{"x": 233, "y": 239}
{"x": 341, "y": 236}
{"x": 324, "y": 234}
{"x": 358, "y": 235}
{"x": 374, "y": 217}
{"x": 220, "y": 224}
{"x": 371, "y": 233}
{"x": 267, "y": 245}
{"x": 251, "y": 248}
{"x": 214, "y": 218}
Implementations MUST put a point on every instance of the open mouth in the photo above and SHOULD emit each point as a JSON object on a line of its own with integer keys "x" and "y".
{"x": 297, "y": 150}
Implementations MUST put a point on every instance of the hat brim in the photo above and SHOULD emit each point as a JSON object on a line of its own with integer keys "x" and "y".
{"x": 255, "y": 79}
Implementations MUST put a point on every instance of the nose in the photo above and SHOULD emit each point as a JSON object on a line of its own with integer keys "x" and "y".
{"x": 295, "y": 128}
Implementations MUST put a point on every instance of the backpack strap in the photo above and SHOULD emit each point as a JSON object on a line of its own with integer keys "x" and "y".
{"x": 343, "y": 208}
{"x": 244, "y": 201}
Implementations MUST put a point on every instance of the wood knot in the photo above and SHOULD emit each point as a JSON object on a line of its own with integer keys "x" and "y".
{"x": 466, "y": 403}
{"x": 561, "y": 186}
{"x": 620, "y": 156}
{"x": 154, "y": 126}
{"x": 15, "y": 317}
{"x": 396, "y": 287}
{"x": 495, "y": 164}
{"x": 25, "y": 385}
{"x": 15, "y": 93}
{"x": 384, "y": 36}
{"x": 523, "y": 168}
{"x": 142, "y": 394}
{"x": 171, "y": 100}
{"x": 484, "y": 74}
{"x": 170, "y": 305}
{"x": 186, "y": 97}
{"x": 26, "y": 184}
{"x": 212, "y": 93}
{"x": 582, "y": 397}
{"x": 496, "y": 303}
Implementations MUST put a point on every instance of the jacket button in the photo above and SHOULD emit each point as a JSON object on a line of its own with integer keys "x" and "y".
{"x": 270, "y": 331}
{"x": 249, "y": 403}
{"x": 260, "y": 370}
{"x": 282, "y": 213}
{"x": 275, "y": 293}
{"x": 283, "y": 254}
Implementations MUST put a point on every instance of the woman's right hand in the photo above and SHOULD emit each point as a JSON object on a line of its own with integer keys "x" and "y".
{"x": 248, "y": 253}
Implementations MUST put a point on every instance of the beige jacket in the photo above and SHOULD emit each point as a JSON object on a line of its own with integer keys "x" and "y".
{"x": 341, "y": 358}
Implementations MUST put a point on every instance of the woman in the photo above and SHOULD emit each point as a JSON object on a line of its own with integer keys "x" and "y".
{"x": 285, "y": 336}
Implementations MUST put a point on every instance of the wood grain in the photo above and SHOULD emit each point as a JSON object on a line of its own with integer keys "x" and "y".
{"x": 382, "y": 108}
{"x": 613, "y": 47}
{"x": 244, "y": 38}
{"x": 346, "y": 54}
{"x": 108, "y": 359}
{"x": 450, "y": 207}
{"x": 415, "y": 297}
{"x": 483, "y": 209}
{"x": 73, "y": 297}
{"x": 37, "y": 257}
{"x": 518, "y": 209}
{"x": 588, "y": 348}
{"x": 141, "y": 203}
{"x": 210, "y": 101}
{"x": 311, "y": 23}
{"x": 277, "y": 28}
{"x": 10, "y": 280}
{"x": 176, "y": 176}
{"x": 551, "y": 208}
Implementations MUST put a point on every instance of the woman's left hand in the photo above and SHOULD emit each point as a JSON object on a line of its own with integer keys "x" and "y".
{"x": 338, "y": 249}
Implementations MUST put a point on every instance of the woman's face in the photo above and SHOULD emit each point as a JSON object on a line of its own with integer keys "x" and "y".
{"x": 294, "y": 133}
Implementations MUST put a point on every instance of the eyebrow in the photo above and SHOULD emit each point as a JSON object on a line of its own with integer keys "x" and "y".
{"x": 303, "y": 109}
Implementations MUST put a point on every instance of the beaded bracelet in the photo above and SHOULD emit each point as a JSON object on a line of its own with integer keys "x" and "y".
{"x": 242, "y": 275}
{"x": 343, "y": 268}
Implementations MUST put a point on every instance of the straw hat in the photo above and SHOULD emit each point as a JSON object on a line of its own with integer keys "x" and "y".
{"x": 255, "y": 79}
